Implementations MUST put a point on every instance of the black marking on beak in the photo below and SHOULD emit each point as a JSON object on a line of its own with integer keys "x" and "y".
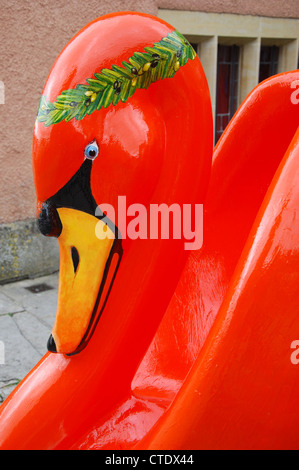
{"x": 76, "y": 194}
{"x": 51, "y": 345}
{"x": 75, "y": 258}
{"x": 49, "y": 222}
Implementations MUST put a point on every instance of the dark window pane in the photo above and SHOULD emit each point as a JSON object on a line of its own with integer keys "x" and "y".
{"x": 194, "y": 45}
{"x": 268, "y": 62}
{"x": 225, "y": 121}
{"x": 223, "y": 88}
{"x": 265, "y": 54}
{"x": 227, "y": 86}
{"x": 265, "y": 72}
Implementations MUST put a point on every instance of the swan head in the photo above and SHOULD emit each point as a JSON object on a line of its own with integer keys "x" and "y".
{"x": 124, "y": 117}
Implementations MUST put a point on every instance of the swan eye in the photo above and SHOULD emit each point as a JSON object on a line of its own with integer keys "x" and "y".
{"x": 91, "y": 150}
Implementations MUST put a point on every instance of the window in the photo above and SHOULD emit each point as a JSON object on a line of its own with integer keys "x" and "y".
{"x": 227, "y": 86}
{"x": 195, "y": 46}
{"x": 268, "y": 62}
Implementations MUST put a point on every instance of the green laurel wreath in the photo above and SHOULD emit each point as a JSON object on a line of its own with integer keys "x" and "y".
{"x": 160, "y": 61}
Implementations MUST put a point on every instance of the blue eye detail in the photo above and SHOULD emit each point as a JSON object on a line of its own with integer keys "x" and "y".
{"x": 91, "y": 150}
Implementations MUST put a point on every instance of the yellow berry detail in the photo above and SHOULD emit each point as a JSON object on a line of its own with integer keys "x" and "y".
{"x": 88, "y": 93}
{"x": 93, "y": 97}
{"x": 146, "y": 66}
{"x": 177, "y": 65}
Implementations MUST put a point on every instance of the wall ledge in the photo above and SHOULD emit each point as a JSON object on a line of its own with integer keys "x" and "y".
{"x": 25, "y": 253}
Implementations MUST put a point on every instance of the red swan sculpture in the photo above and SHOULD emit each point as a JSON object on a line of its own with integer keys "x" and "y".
{"x": 155, "y": 346}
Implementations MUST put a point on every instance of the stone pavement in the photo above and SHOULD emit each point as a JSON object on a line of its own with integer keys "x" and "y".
{"x": 27, "y": 313}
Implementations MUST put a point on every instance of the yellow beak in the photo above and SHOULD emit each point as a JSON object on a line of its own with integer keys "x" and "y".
{"x": 83, "y": 267}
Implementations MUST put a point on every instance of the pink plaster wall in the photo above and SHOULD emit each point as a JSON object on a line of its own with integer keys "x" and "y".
{"x": 33, "y": 32}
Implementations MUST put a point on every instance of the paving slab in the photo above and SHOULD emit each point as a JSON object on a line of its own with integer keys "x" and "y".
{"x": 42, "y": 304}
{"x": 26, "y": 319}
{"x": 34, "y": 331}
{"x": 8, "y": 306}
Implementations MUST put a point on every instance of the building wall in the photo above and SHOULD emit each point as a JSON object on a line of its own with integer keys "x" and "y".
{"x": 271, "y": 8}
{"x": 33, "y": 32}
{"x": 207, "y": 30}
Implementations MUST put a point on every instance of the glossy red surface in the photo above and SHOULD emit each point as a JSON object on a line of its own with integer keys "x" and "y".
{"x": 191, "y": 351}
{"x": 242, "y": 391}
{"x": 244, "y": 164}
